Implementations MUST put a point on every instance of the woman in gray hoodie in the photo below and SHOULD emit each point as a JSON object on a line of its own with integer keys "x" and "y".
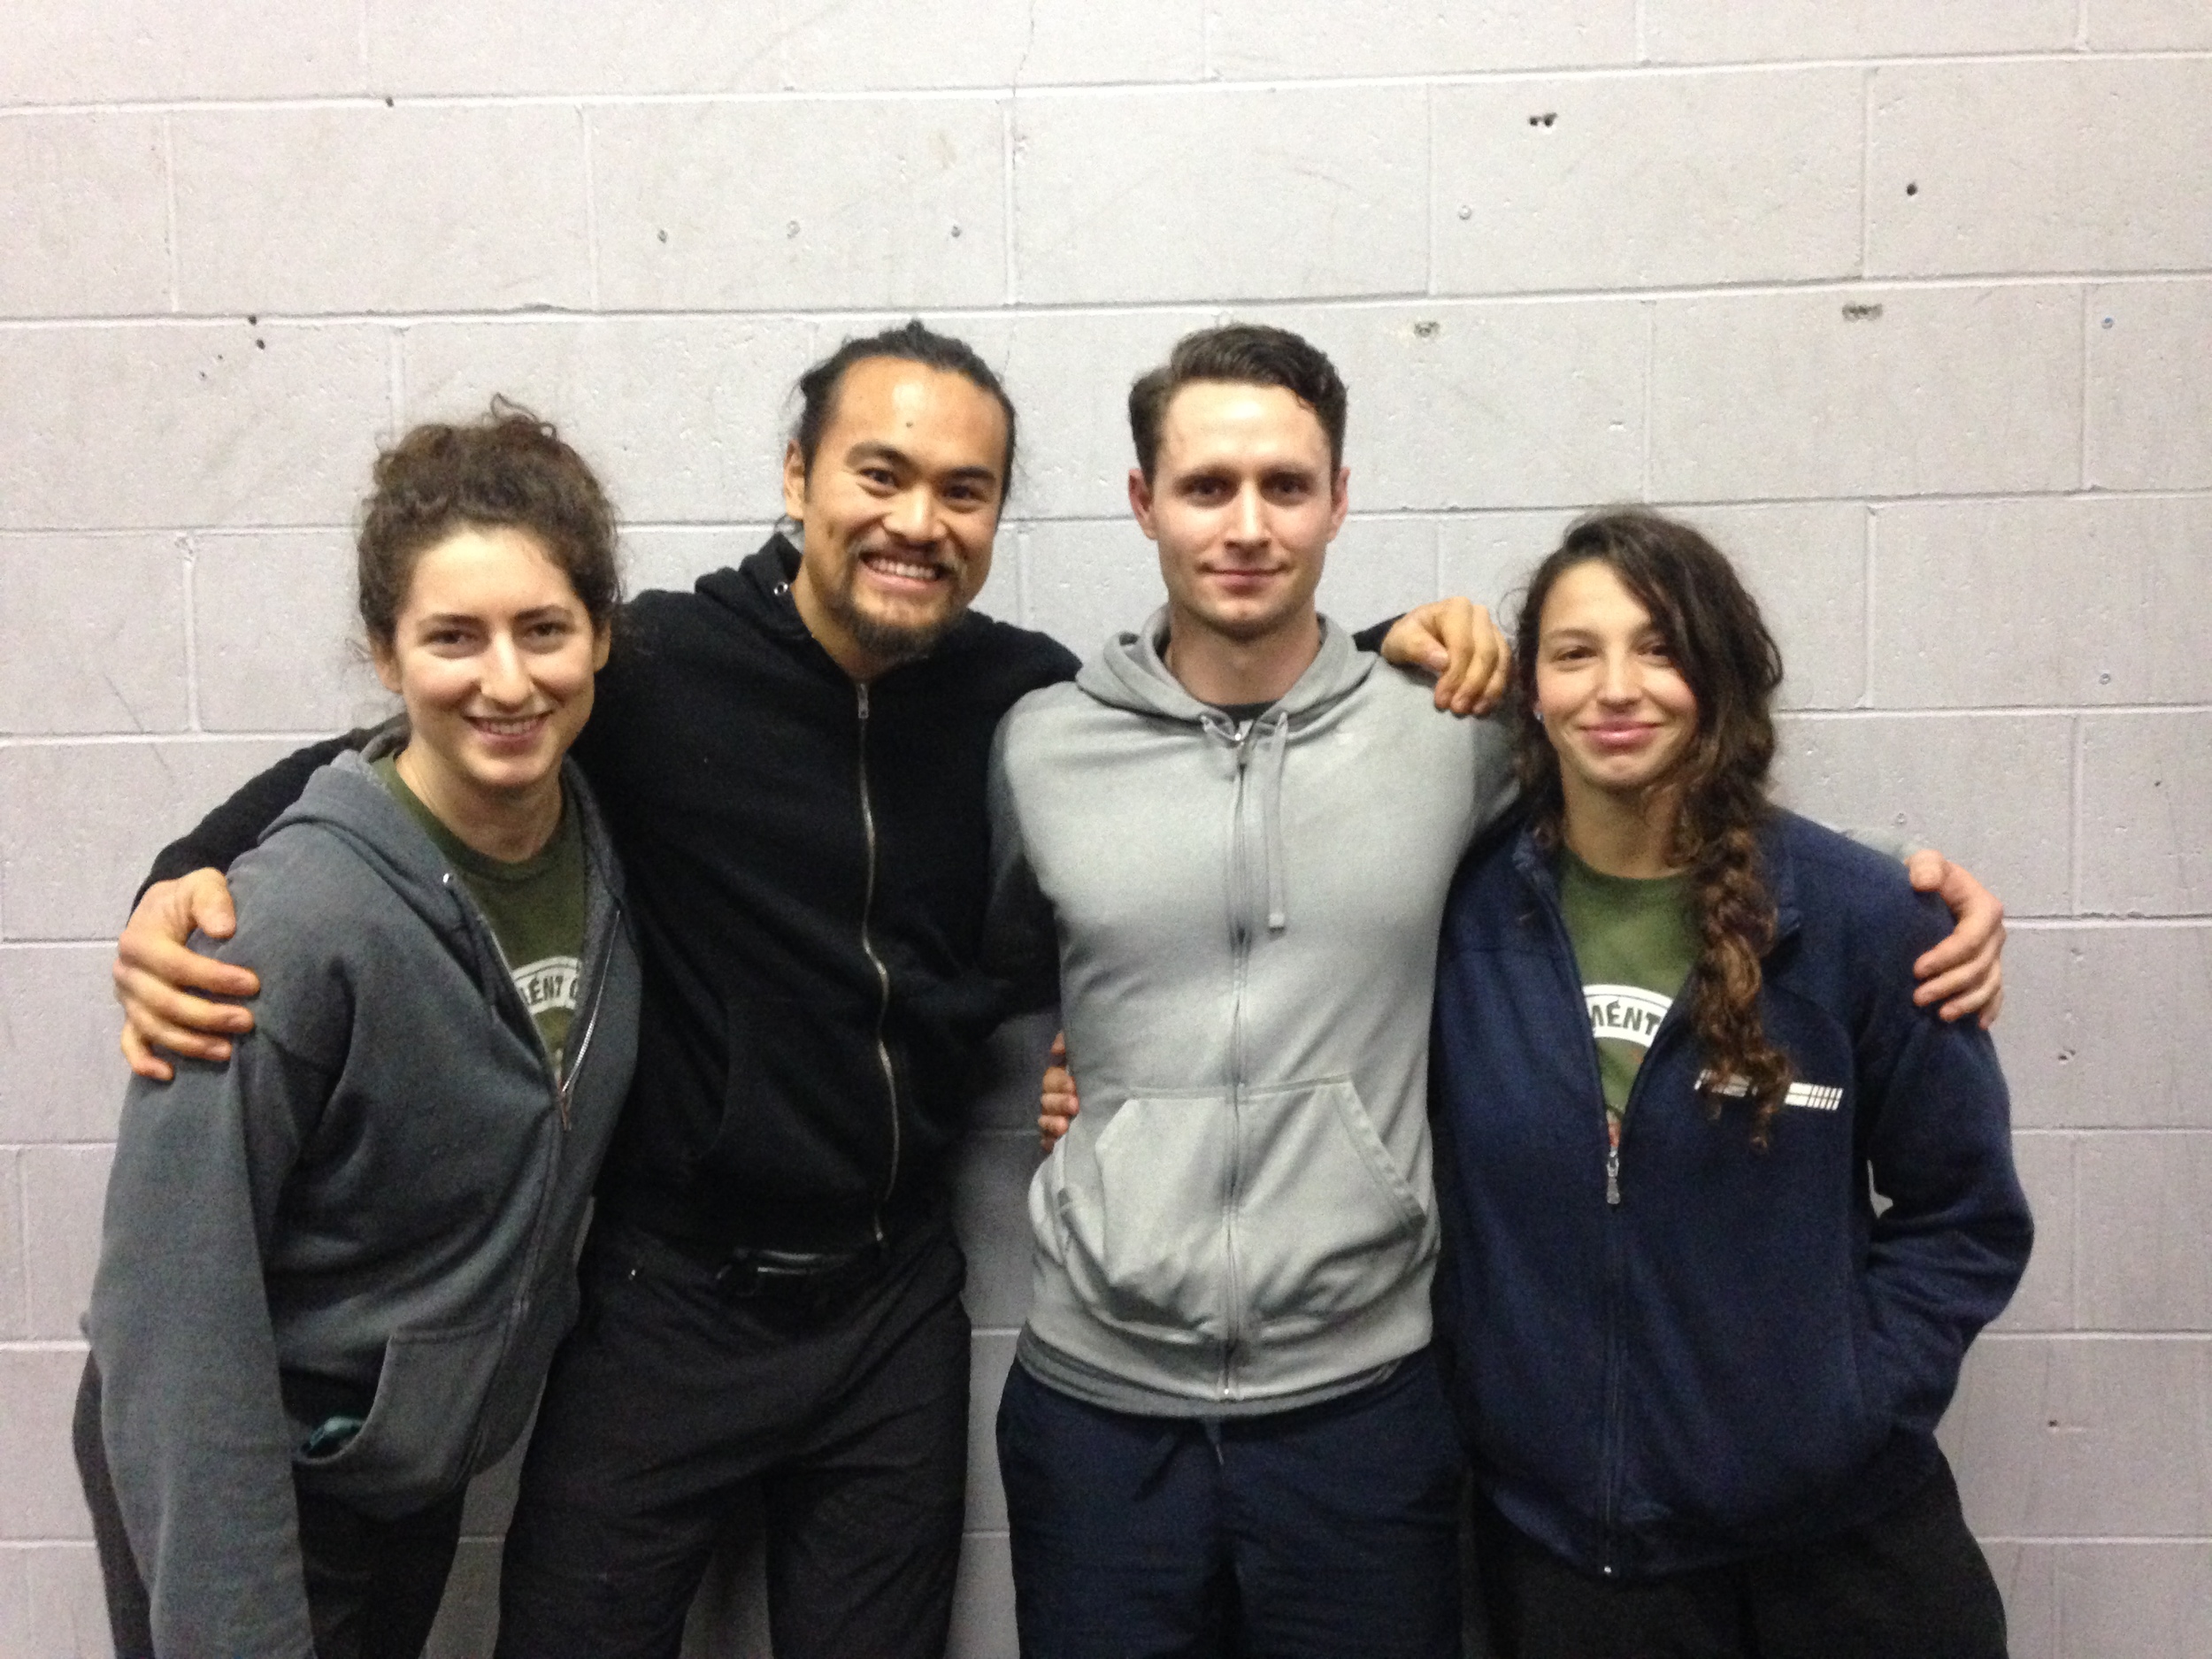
{"x": 334, "y": 1270}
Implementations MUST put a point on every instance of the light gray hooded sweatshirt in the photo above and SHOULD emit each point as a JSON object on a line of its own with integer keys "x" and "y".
{"x": 1244, "y": 926}
{"x": 377, "y": 1200}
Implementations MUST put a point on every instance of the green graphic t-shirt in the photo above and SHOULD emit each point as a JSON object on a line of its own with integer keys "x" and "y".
{"x": 1634, "y": 941}
{"x": 536, "y": 908}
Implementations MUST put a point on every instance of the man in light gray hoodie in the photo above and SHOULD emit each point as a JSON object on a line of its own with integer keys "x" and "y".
{"x": 1223, "y": 1430}
{"x": 1224, "y": 1378}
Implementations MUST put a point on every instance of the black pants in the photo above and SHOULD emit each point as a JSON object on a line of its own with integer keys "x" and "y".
{"x": 1324, "y": 1533}
{"x": 673, "y": 1406}
{"x": 1911, "y": 1584}
{"x": 373, "y": 1587}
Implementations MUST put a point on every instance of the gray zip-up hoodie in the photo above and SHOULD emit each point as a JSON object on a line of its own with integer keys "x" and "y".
{"x": 375, "y": 1204}
{"x": 1245, "y": 923}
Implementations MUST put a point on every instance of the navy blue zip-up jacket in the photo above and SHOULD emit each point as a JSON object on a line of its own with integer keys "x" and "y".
{"x": 1740, "y": 1353}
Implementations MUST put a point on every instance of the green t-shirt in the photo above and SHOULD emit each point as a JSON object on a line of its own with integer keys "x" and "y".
{"x": 536, "y": 908}
{"x": 1634, "y": 941}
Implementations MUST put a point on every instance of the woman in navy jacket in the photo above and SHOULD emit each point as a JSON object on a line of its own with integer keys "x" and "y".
{"x": 1698, "y": 1361}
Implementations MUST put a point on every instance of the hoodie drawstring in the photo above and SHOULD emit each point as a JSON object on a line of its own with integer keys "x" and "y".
{"x": 1274, "y": 752}
{"x": 1270, "y": 735}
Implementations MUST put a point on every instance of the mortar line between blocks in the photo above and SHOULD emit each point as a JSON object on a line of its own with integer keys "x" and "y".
{"x": 1651, "y": 374}
{"x": 188, "y": 551}
{"x": 2076, "y": 1242}
{"x": 1871, "y": 574}
{"x": 1431, "y": 205}
{"x": 2076, "y": 790}
{"x": 2082, "y": 435}
{"x": 298, "y": 102}
{"x": 1866, "y": 170}
{"x": 23, "y": 1240}
{"x": 591, "y": 205}
{"x": 169, "y": 206}
{"x": 1007, "y": 129}
{"x": 396, "y": 379}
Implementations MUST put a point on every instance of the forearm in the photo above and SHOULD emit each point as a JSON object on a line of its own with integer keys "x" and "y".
{"x": 216, "y": 842}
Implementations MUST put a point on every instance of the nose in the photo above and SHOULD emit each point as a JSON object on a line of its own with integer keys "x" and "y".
{"x": 913, "y": 515}
{"x": 504, "y": 680}
{"x": 1623, "y": 679}
{"x": 1246, "y": 521}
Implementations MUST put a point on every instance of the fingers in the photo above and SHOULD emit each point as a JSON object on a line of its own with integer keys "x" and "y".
{"x": 1056, "y": 1105}
{"x": 157, "y": 1015}
{"x": 1488, "y": 669}
{"x": 1964, "y": 974}
{"x": 144, "y": 1060}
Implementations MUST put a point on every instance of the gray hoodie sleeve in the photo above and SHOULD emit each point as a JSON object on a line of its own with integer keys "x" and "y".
{"x": 192, "y": 1416}
{"x": 1021, "y": 943}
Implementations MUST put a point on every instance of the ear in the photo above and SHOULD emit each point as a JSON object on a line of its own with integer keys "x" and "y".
{"x": 385, "y": 660}
{"x": 1140, "y": 502}
{"x": 1340, "y": 499}
{"x": 601, "y": 641}
{"x": 794, "y": 480}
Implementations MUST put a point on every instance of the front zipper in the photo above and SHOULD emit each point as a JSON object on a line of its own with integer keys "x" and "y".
{"x": 1241, "y": 941}
{"x": 1615, "y": 1135}
{"x": 883, "y": 974}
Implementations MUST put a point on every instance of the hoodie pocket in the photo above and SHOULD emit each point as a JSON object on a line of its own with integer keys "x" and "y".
{"x": 1327, "y": 1223}
{"x": 1143, "y": 1207}
{"x": 1195, "y": 1221}
{"x": 416, "y": 1443}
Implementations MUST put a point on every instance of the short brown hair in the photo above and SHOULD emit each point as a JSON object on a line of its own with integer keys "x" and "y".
{"x": 1239, "y": 354}
{"x": 508, "y": 468}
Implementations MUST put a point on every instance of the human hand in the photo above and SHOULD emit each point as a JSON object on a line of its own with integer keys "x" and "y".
{"x": 155, "y": 976}
{"x": 1455, "y": 641}
{"x": 1057, "y": 1104}
{"x": 1965, "y": 973}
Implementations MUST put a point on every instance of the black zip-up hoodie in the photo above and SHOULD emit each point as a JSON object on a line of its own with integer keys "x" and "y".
{"x": 809, "y": 863}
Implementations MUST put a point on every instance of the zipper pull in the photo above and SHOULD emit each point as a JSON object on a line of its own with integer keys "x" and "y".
{"x": 861, "y": 688}
{"x": 1613, "y": 1163}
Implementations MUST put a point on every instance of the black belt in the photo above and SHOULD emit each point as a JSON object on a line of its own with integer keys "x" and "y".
{"x": 798, "y": 1276}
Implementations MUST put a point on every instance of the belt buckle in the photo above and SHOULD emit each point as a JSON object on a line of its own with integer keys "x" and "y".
{"x": 751, "y": 1274}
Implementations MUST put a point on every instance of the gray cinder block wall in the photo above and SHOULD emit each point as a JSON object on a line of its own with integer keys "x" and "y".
{"x": 1910, "y": 304}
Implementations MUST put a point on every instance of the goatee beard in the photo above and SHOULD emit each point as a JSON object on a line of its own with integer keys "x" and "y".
{"x": 890, "y": 642}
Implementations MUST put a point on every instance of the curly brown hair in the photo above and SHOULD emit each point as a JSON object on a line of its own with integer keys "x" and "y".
{"x": 1721, "y": 647}
{"x": 509, "y": 469}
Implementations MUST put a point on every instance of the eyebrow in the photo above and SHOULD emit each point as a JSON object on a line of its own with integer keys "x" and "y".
{"x": 448, "y": 618}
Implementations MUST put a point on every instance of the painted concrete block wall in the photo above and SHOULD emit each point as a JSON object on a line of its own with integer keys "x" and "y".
{"x": 1910, "y": 304}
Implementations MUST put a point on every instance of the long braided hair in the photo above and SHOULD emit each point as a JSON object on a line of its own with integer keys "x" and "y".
{"x": 1721, "y": 648}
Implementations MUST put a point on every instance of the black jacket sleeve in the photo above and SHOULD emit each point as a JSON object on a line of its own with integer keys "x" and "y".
{"x": 217, "y": 840}
{"x": 1370, "y": 638}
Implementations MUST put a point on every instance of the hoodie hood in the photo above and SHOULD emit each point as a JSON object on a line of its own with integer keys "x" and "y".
{"x": 1131, "y": 672}
{"x": 347, "y": 799}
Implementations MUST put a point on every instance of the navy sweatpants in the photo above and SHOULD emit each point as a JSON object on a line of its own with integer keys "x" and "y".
{"x": 1323, "y": 1532}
